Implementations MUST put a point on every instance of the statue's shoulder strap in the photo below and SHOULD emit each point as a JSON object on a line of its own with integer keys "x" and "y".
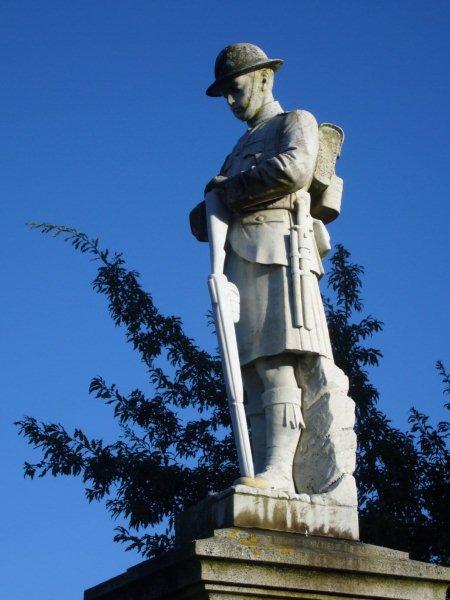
{"x": 273, "y": 140}
{"x": 283, "y": 118}
{"x": 331, "y": 139}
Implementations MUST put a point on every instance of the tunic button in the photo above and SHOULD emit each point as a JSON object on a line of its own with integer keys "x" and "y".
{"x": 259, "y": 218}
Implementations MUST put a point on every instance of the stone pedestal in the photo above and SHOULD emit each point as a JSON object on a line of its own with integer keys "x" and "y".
{"x": 239, "y": 564}
{"x": 273, "y": 510}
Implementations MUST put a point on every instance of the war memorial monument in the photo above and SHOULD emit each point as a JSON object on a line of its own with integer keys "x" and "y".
{"x": 288, "y": 527}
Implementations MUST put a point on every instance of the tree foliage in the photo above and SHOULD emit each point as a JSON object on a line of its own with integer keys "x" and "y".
{"x": 175, "y": 444}
{"x": 403, "y": 477}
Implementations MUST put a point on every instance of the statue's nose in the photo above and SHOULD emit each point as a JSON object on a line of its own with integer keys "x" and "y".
{"x": 230, "y": 100}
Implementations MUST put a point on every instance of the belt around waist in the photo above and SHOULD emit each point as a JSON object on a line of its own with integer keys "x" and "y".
{"x": 286, "y": 202}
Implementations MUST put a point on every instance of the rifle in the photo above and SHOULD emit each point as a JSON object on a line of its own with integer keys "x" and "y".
{"x": 300, "y": 255}
{"x": 225, "y": 302}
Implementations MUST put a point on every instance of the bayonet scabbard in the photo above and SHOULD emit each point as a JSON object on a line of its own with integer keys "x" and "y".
{"x": 295, "y": 277}
{"x": 301, "y": 263}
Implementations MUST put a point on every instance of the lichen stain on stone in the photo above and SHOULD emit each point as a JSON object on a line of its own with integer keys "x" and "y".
{"x": 251, "y": 544}
{"x": 248, "y": 518}
{"x": 286, "y": 550}
{"x": 250, "y": 541}
{"x": 327, "y": 531}
{"x": 279, "y": 516}
{"x": 232, "y": 534}
{"x": 272, "y": 518}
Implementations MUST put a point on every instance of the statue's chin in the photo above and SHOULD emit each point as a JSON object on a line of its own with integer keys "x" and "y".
{"x": 244, "y": 114}
{"x": 241, "y": 115}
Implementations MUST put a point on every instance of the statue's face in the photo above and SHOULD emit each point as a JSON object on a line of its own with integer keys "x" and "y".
{"x": 245, "y": 95}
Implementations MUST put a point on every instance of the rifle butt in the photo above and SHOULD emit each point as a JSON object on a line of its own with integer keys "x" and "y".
{"x": 226, "y": 334}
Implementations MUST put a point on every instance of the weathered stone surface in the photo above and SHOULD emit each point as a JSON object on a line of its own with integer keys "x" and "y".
{"x": 326, "y": 454}
{"x": 242, "y": 506}
{"x": 241, "y": 564}
{"x": 264, "y": 213}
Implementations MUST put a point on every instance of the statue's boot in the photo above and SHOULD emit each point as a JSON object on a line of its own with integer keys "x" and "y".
{"x": 258, "y": 439}
{"x": 284, "y": 421}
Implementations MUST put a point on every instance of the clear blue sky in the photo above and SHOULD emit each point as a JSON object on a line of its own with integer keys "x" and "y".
{"x": 105, "y": 127}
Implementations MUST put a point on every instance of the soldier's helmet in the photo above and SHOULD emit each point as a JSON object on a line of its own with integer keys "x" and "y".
{"x": 239, "y": 59}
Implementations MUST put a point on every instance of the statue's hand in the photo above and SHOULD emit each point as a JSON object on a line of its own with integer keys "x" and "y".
{"x": 215, "y": 183}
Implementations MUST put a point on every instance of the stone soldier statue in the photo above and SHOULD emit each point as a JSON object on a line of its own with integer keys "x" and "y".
{"x": 297, "y": 406}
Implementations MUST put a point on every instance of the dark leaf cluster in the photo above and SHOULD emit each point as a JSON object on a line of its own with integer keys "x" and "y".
{"x": 403, "y": 477}
{"x": 175, "y": 444}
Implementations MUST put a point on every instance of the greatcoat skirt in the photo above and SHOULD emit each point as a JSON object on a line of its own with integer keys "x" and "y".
{"x": 266, "y": 327}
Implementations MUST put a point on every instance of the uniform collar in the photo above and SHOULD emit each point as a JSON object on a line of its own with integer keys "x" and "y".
{"x": 269, "y": 110}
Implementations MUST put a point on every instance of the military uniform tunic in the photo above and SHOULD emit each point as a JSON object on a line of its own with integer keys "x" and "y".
{"x": 270, "y": 162}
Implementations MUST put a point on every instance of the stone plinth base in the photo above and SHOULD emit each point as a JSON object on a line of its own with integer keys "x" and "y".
{"x": 242, "y": 506}
{"x": 240, "y": 564}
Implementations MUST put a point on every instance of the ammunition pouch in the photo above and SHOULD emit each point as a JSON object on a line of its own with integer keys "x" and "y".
{"x": 197, "y": 221}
